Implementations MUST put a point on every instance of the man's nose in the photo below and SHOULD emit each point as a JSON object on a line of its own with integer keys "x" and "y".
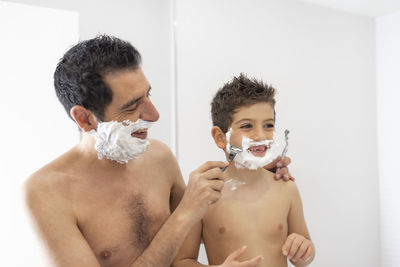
{"x": 149, "y": 112}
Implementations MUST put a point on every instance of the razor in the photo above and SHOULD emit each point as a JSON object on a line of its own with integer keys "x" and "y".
{"x": 233, "y": 151}
{"x": 286, "y": 146}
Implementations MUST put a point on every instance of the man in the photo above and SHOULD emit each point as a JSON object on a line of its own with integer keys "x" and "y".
{"x": 116, "y": 198}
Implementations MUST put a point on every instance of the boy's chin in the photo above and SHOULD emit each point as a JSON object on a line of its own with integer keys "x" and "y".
{"x": 258, "y": 154}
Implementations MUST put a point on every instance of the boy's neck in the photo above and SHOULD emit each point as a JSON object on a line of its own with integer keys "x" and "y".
{"x": 244, "y": 174}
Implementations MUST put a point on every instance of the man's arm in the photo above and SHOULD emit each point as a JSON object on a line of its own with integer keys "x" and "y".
{"x": 52, "y": 211}
{"x": 298, "y": 246}
{"x": 203, "y": 189}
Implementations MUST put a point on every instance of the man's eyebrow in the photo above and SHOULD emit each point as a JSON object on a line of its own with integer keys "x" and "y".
{"x": 134, "y": 100}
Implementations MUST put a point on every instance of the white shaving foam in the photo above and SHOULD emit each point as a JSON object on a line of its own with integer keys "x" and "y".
{"x": 114, "y": 140}
{"x": 246, "y": 159}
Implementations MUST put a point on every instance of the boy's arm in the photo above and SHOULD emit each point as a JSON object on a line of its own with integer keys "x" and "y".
{"x": 298, "y": 246}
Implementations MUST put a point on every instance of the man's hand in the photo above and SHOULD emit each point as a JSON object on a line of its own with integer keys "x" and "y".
{"x": 203, "y": 189}
{"x": 231, "y": 260}
{"x": 279, "y": 166}
{"x": 298, "y": 249}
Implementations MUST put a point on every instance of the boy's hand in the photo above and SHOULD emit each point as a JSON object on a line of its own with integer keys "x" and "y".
{"x": 283, "y": 172}
{"x": 298, "y": 248}
{"x": 231, "y": 260}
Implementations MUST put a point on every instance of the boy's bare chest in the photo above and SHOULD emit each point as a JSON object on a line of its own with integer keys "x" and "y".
{"x": 119, "y": 222}
{"x": 262, "y": 218}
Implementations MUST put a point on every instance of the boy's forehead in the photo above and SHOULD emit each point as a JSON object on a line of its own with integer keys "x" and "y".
{"x": 257, "y": 111}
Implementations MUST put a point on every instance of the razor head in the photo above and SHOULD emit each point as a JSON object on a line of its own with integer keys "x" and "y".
{"x": 233, "y": 151}
{"x": 287, "y": 132}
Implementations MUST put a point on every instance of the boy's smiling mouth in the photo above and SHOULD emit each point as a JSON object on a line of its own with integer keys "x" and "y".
{"x": 258, "y": 151}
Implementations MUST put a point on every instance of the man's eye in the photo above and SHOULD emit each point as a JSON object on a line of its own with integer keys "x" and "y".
{"x": 246, "y": 126}
{"x": 269, "y": 125}
{"x": 131, "y": 110}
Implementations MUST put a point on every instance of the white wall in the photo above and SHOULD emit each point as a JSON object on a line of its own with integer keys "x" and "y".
{"x": 144, "y": 23}
{"x": 323, "y": 64}
{"x": 34, "y": 128}
{"x": 388, "y": 95}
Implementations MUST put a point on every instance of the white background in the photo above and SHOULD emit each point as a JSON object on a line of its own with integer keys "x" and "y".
{"x": 388, "y": 96}
{"x": 35, "y": 128}
{"x": 328, "y": 67}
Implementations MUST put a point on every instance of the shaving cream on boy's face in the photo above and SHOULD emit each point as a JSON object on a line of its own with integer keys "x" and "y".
{"x": 116, "y": 140}
{"x": 254, "y": 155}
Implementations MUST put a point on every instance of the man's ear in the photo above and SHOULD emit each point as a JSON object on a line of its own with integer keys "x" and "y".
{"x": 85, "y": 119}
{"x": 219, "y": 137}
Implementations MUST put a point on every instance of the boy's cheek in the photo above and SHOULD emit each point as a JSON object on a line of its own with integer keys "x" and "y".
{"x": 236, "y": 140}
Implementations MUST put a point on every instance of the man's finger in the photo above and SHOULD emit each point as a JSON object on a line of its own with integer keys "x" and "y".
{"x": 210, "y": 165}
{"x": 284, "y": 162}
{"x": 217, "y": 185}
{"x": 212, "y": 174}
{"x": 236, "y": 254}
{"x": 272, "y": 164}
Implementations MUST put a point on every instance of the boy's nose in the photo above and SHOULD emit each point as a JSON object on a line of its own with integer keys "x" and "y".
{"x": 149, "y": 112}
{"x": 259, "y": 134}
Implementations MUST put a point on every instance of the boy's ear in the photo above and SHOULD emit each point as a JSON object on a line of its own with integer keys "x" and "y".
{"x": 219, "y": 137}
{"x": 85, "y": 119}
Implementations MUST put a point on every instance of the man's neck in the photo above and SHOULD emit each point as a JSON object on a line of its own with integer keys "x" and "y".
{"x": 86, "y": 149}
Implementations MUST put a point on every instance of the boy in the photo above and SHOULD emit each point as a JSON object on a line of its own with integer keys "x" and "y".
{"x": 255, "y": 210}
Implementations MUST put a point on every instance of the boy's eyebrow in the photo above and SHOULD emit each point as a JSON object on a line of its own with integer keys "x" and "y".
{"x": 134, "y": 100}
{"x": 246, "y": 119}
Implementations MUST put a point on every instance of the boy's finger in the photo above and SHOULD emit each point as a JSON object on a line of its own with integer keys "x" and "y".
{"x": 307, "y": 255}
{"x": 236, "y": 253}
{"x": 295, "y": 246}
{"x": 288, "y": 244}
{"x": 253, "y": 262}
{"x": 300, "y": 252}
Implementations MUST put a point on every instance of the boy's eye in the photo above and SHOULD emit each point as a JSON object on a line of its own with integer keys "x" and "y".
{"x": 269, "y": 125}
{"x": 246, "y": 126}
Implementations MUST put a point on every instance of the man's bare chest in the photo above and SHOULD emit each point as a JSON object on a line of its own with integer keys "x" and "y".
{"x": 119, "y": 223}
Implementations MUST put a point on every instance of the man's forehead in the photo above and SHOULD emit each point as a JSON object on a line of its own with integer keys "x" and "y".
{"x": 127, "y": 84}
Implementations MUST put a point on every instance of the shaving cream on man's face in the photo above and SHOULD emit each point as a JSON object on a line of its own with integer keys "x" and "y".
{"x": 114, "y": 140}
{"x": 247, "y": 158}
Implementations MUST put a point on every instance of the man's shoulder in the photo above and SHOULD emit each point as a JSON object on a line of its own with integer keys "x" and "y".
{"x": 160, "y": 151}
{"x": 46, "y": 184}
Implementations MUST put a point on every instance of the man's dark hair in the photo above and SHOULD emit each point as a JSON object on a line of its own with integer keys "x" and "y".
{"x": 240, "y": 91}
{"x": 79, "y": 76}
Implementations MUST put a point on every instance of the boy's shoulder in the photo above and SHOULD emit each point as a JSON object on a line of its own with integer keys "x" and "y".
{"x": 286, "y": 186}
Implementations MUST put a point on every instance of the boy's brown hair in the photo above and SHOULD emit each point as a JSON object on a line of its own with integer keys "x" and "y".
{"x": 240, "y": 91}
